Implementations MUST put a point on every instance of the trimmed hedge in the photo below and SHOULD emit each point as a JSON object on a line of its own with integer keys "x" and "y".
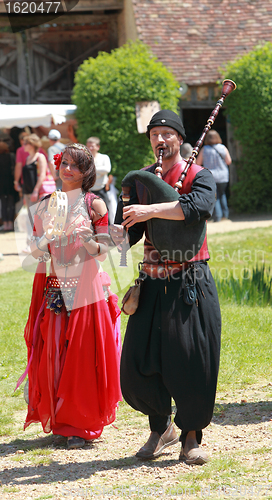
{"x": 106, "y": 90}
{"x": 250, "y": 112}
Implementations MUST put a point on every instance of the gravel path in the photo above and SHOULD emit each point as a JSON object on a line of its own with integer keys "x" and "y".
{"x": 36, "y": 466}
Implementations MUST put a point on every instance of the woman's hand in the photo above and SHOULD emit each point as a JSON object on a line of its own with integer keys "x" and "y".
{"x": 136, "y": 213}
{"x": 34, "y": 196}
{"x": 85, "y": 231}
{"x": 17, "y": 186}
{"x": 48, "y": 223}
{"x": 97, "y": 250}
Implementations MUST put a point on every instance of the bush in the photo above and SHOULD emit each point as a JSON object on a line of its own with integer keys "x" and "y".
{"x": 250, "y": 112}
{"x": 106, "y": 90}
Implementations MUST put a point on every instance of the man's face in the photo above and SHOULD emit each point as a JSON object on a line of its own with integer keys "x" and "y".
{"x": 165, "y": 138}
{"x": 93, "y": 147}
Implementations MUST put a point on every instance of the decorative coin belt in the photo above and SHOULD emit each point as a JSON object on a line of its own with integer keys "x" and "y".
{"x": 60, "y": 293}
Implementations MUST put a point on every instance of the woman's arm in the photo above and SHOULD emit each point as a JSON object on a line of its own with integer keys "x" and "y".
{"x": 228, "y": 159}
{"x": 100, "y": 223}
{"x": 94, "y": 249}
{"x": 42, "y": 167}
{"x": 52, "y": 170}
{"x": 100, "y": 211}
{"x": 43, "y": 222}
{"x": 17, "y": 176}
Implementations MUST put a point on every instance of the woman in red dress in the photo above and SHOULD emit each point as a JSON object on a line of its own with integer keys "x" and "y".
{"x": 72, "y": 330}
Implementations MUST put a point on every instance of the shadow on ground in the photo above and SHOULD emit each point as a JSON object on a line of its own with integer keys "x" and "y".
{"x": 71, "y": 471}
{"x": 242, "y": 413}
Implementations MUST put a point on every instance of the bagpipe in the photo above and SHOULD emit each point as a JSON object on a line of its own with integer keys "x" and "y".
{"x": 172, "y": 238}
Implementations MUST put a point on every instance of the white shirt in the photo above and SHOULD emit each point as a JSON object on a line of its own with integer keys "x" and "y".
{"x": 103, "y": 168}
{"x": 57, "y": 148}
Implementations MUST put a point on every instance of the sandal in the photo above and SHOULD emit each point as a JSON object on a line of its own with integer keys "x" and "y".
{"x": 74, "y": 442}
{"x": 195, "y": 456}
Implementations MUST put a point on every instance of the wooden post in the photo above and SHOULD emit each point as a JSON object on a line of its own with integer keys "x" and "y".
{"x": 22, "y": 69}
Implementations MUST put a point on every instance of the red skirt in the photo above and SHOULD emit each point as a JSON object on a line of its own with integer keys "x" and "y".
{"x": 73, "y": 367}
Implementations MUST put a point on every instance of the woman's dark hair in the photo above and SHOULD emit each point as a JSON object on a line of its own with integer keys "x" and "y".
{"x": 84, "y": 159}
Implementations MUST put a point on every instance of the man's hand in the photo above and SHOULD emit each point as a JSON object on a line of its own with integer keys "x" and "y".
{"x": 170, "y": 210}
{"x": 136, "y": 213}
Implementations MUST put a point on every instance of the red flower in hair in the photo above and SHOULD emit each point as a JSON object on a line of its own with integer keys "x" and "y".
{"x": 57, "y": 160}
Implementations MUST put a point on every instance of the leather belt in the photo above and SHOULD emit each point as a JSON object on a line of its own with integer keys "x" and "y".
{"x": 163, "y": 270}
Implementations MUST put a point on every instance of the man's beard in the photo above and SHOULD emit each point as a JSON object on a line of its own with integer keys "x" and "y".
{"x": 167, "y": 153}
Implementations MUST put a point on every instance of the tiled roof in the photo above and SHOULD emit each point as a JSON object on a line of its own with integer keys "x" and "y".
{"x": 195, "y": 38}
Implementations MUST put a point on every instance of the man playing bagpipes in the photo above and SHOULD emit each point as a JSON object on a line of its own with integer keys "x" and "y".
{"x": 172, "y": 343}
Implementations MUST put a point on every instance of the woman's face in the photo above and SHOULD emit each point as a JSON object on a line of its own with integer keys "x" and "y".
{"x": 28, "y": 148}
{"x": 69, "y": 173}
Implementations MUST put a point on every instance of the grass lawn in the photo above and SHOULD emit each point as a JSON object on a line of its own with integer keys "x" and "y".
{"x": 245, "y": 369}
{"x": 233, "y": 252}
{"x": 246, "y": 353}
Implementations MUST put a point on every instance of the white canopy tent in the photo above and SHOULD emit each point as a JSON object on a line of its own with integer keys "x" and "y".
{"x": 34, "y": 115}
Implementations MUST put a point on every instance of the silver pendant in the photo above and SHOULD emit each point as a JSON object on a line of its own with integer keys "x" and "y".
{"x": 64, "y": 240}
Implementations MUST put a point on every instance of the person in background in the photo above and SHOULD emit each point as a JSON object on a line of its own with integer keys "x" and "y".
{"x": 103, "y": 168}
{"x": 21, "y": 156}
{"x": 186, "y": 150}
{"x": 215, "y": 156}
{"x": 36, "y": 179}
{"x": 55, "y": 147}
{"x": 8, "y": 195}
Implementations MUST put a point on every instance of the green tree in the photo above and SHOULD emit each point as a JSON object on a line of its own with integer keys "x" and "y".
{"x": 250, "y": 112}
{"x": 106, "y": 90}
